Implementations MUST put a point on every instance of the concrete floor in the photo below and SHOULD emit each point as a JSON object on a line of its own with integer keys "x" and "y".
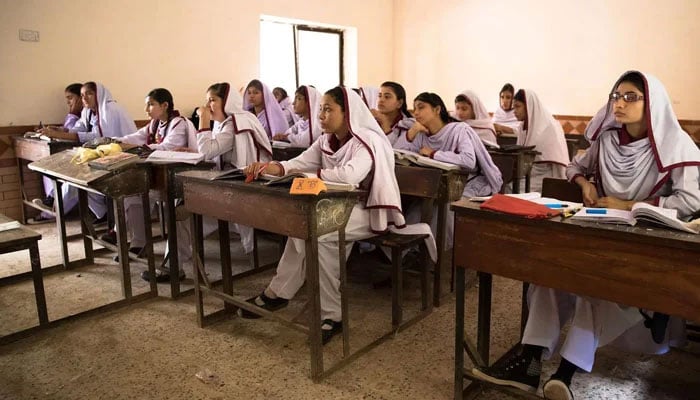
{"x": 155, "y": 350}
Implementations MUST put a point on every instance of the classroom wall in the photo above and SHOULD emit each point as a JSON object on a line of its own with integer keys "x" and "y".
{"x": 569, "y": 51}
{"x": 133, "y": 46}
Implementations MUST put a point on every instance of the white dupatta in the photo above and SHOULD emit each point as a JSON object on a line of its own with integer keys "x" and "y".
{"x": 544, "y": 132}
{"x": 638, "y": 169}
{"x": 276, "y": 120}
{"x": 482, "y": 120}
{"x": 370, "y": 96}
{"x": 250, "y": 141}
{"x": 112, "y": 118}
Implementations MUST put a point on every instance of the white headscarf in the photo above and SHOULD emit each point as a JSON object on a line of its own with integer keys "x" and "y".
{"x": 370, "y": 96}
{"x": 313, "y": 101}
{"x": 384, "y": 198}
{"x": 276, "y": 120}
{"x": 481, "y": 120}
{"x": 112, "y": 119}
{"x": 250, "y": 141}
{"x": 544, "y": 132}
{"x": 639, "y": 168}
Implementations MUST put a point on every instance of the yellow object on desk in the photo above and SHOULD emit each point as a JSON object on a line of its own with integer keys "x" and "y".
{"x": 307, "y": 186}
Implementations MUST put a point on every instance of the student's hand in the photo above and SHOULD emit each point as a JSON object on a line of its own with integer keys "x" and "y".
{"x": 415, "y": 130}
{"x": 614, "y": 202}
{"x": 204, "y": 111}
{"x": 280, "y": 136}
{"x": 50, "y": 131}
{"x": 256, "y": 168}
{"x": 588, "y": 192}
{"x": 426, "y": 151}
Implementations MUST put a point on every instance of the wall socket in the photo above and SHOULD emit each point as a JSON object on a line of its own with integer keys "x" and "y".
{"x": 27, "y": 35}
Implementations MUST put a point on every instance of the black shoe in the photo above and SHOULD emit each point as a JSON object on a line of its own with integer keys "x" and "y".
{"x": 109, "y": 237}
{"x": 330, "y": 328}
{"x": 161, "y": 275}
{"x": 554, "y": 389}
{"x": 518, "y": 372}
{"x": 264, "y": 302}
{"x": 137, "y": 251}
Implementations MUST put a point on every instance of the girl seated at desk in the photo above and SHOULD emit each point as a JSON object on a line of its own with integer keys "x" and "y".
{"x": 167, "y": 130}
{"x": 237, "y": 139}
{"x": 306, "y": 129}
{"x": 541, "y": 130}
{"x": 353, "y": 150}
{"x": 504, "y": 119}
{"x": 392, "y": 112}
{"x": 260, "y": 101}
{"x": 101, "y": 117}
{"x": 75, "y": 108}
{"x": 441, "y": 137}
{"x": 638, "y": 153}
{"x": 470, "y": 109}
{"x": 286, "y": 105}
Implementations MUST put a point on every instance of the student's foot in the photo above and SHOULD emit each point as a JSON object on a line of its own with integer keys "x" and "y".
{"x": 109, "y": 237}
{"x": 40, "y": 219}
{"x": 137, "y": 251}
{"x": 161, "y": 275}
{"x": 330, "y": 328}
{"x": 554, "y": 389}
{"x": 45, "y": 204}
{"x": 264, "y": 302}
{"x": 518, "y": 372}
{"x": 657, "y": 324}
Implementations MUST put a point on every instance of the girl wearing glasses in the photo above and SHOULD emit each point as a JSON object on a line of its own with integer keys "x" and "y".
{"x": 541, "y": 130}
{"x": 638, "y": 153}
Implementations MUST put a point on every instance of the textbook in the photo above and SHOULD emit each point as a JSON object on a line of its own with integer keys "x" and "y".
{"x": 415, "y": 158}
{"x": 289, "y": 178}
{"x": 230, "y": 174}
{"x": 6, "y": 226}
{"x": 164, "y": 157}
{"x": 113, "y": 161}
{"x": 667, "y": 217}
{"x": 278, "y": 144}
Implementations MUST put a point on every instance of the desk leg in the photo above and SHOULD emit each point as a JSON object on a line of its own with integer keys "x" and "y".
{"x": 146, "y": 205}
{"x": 312, "y": 280}
{"x": 61, "y": 221}
{"x": 459, "y": 333}
{"x": 342, "y": 261}
{"x": 484, "y": 316}
{"x": 22, "y": 191}
{"x": 37, "y": 276}
{"x": 440, "y": 242}
{"x": 226, "y": 273}
{"x": 84, "y": 212}
{"x": 198, "y": 261}
{"x": 527, "y": 182}
{"x": 173, "y": 257}
{"x": 123, "y": 247}
{"x": 525, "y": 311}
{"x": 516, "y": 179}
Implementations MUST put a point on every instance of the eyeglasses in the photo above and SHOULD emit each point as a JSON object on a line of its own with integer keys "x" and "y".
{"x": 629, "y": 97}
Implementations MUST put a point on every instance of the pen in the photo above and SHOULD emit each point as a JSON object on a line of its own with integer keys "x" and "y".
{"x": 596, "y": 211}
{"x": 556, "y": 205}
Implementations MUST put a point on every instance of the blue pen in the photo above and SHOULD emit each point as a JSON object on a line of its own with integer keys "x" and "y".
{"x": 596, "y": 211}
{"x": 556, "y": 205}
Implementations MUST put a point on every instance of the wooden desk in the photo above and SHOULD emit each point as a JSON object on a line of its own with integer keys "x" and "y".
{"x": 168, "y": 189}
{"x": 26, "y": 239}
{"x": 523, "y": 160}
{"x": 286, "y": 153}
{"x": 28, "y": 150}
{"x": 655, "y": 268}
{"x": 420, "y": 182}
{"x": 305, "y": 217}
{"x": 133, "y": 179}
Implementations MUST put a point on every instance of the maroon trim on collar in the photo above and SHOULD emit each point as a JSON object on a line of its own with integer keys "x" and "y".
{"x": 659, "y": 185}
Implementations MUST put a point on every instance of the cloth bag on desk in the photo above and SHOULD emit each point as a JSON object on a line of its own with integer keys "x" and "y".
{"x": 515, "y": 206}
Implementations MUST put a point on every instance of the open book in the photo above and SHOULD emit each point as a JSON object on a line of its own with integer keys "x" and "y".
{"x": 279, "y": 144}
{"x": 415, "y": 158}
{"x": 667, "y": 217}
{"x": 163, "y": 156}
{"x": 288, "y": 178}
{"x": 6, "y": 226}
{"x": 230, "y": 174}
{"x": 113, "y": 161}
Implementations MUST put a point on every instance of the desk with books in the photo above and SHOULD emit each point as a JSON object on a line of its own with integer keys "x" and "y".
{"x": 523, "y": 159}
{"x": 131, "y": 180}
{"x": 624, "y": 264}
{"x": 305, "y": 217}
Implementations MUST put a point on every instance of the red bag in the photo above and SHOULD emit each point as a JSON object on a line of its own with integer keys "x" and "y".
{"x": 516, "y": 206}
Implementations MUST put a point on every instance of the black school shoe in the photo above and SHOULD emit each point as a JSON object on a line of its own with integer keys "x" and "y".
{"x": 330, "y": 328}
{"x": 263, "y": 302}
{"x": 161, "y": 275}
{"x": 518, "y": 372}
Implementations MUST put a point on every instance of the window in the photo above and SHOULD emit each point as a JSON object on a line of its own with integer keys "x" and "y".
{"x": 293, "y": 54}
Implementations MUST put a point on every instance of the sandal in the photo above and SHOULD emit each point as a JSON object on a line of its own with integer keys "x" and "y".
{"x": 263, "y": 302}
{"x": 330, "y": 328}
